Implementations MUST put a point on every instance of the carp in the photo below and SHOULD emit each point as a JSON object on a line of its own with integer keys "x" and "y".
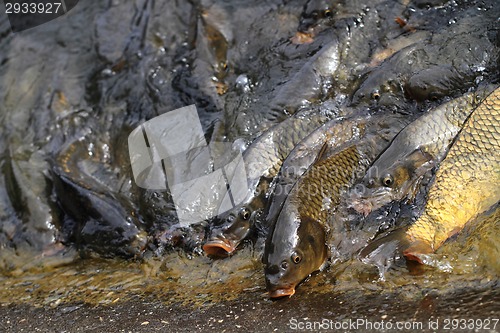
{"x": 262, "y": 161}
{"x": 297, "y": 245}
{"x": 467, "y": 182}
{"x": 420, "y": 146}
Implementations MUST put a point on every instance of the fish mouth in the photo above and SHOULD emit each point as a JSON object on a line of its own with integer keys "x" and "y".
{"x": 219, "y": 247}
{"x": 282, "y": 292}
{"x": 303, "y": 37}
{"x": 367, "y": 203}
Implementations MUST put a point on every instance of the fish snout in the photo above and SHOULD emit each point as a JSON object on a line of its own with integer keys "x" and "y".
{"x": 219, "y": 247}
{"x": 282, "y": 292}
{"x": 275, "y": 288}
{"x": 306, "y": 24}
{"x": 361, "y": 206}
{"x": 274, "y": 282}
{"x": 218, "y": 244}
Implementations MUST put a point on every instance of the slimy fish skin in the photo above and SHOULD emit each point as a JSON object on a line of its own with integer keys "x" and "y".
{"x": 396, "y": 174}
{"x": 467, "y": 182}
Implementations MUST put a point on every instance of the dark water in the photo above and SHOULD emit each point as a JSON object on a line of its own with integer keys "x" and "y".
{"x": 73, "y": 89}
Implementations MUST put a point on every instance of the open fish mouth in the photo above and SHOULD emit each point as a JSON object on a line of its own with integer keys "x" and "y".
{"x": 303, "y": 37}
{"x": 219, "y": 247}
{"x": 282, "y": 292}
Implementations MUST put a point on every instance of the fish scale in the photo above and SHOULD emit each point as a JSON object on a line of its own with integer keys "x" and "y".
{"x": 414, "y": 151}
{"x": 262, "y": 160}
{"x": 325, "y": 179}
{"x": 267, "y": 153}
{"x": 467, "y": 181}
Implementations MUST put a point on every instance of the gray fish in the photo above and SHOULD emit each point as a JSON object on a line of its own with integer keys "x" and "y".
{"x": 432, "y": 68}
{"x": 262, "y": 161}
{"x": 398, "y": 171}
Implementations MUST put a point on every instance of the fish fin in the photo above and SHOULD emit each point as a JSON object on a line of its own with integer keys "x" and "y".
{"x": 385, "y": 251}
{"x": 420, "y": 157}
{"x": 416, "y": 249}
{"x": 321, "y": 153}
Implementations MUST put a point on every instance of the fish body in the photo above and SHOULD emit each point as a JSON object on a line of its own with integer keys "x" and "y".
{"x": 414, "y": 151}
{"x": 262, "y": 162}
{"x": 110, "y": 225}
{"x": 439, "y": 64}
{"x": 466, "y": 183}
{"x": 316, "y": 74}
{"x": 297, "y": 245}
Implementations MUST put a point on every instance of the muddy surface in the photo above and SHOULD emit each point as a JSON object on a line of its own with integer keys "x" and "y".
{"x": 181, "y": 293}
{"x": 83, "y": 248}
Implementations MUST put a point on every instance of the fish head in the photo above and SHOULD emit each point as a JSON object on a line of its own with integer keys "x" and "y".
{"x": 315, "y": 12}
{"x": 380, "y": 89}
{"x": 296, "y": 249}
{"x": 230, "y": 230}
{"x": 314, "y": 19}
{"x": 389, "y": 179}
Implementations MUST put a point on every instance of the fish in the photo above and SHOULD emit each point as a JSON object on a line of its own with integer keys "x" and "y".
{"x": 466, "y": 184}
{"x": 82, "y": 181}
{"x": 398, "y": 171}
{"x": 262, "y": 161}
{"x": 431, "y": 68}
{"x": 297, "y": 244}
{"x": 316, "y": 14}
{"x": 336, "y": 132}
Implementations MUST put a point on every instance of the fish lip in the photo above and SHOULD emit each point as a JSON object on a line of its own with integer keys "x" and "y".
{"x": 302, "y": 37}
{"x": 282, "y": 292}
{"x": 219, "y": 247}
{"x": 366, "y": 203}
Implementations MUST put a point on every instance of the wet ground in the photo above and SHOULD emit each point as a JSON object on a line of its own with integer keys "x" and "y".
{"x": 432, "y": 312}
{"x": 73, "y": 89}
{"x": 181, "y": 293}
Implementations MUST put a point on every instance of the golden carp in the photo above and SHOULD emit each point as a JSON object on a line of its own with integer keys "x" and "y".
{"x": 421, "y": 145}
{"x": 466, "y": 184}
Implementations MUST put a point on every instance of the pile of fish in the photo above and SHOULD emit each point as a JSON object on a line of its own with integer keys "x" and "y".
{"x": 296, "y": 206}
{"x": 341, "y": 109}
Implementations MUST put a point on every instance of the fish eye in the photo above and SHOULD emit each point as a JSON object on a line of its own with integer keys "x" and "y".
{"x": 296, "y": 258}
{"x": 327, "y": 13}
{"x": 284, "y": 264}
{"x": 245, "y": 213}
{"x": 223, "y": 65}
{"x": 434, "y": 96}
{"x": 375, "y": 95}
{"x": 388, "y": 180}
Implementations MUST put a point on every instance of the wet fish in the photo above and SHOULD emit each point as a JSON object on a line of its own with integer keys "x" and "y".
{"x": 297, "y": 245}
{"x": 262, "y": 161}
{"x": 466, "y": 184}
{"x": 82, "y": 181}
{"x": 336, "y": 133}
{"x": 432, "y": 68}
{"x": 398, "y": 171}
{"x": 317, "y": 75}
{"x": 316, "y": 14}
